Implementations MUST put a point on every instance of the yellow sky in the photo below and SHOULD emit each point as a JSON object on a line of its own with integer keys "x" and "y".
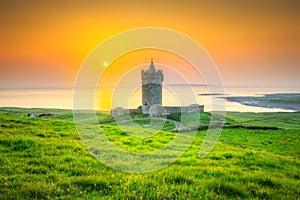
{"x": 43, "y": 43}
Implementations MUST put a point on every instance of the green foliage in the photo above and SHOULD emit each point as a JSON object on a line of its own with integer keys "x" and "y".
{"x": 280, "y": 120}
{"x": 201, "y": 120}
{"x": 174, "y": 116}
{"x": 17, "y": 144}
{"x": 281, "y": 141}
{"x": 44, "y": 158}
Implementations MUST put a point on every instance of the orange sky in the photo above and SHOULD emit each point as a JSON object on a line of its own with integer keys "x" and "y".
{"x": 43, "y": 43}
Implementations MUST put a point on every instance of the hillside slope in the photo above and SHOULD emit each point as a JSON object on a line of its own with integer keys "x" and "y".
{"x": 44, "y": 158}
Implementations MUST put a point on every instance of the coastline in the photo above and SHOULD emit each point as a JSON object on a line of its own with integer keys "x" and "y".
{"x": 286, "y": 101}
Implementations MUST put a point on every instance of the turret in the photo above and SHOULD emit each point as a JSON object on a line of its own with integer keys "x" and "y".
{"x": 151, "y": 87}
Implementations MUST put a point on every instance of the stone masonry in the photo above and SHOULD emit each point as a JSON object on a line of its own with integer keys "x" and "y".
{"x": 151, "y": 88}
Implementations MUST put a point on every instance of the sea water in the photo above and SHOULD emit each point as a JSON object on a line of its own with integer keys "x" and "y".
{"x": 63, "y": 97}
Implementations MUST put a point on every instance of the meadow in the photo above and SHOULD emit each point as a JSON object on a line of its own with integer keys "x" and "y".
{"x": 256, "y": 157}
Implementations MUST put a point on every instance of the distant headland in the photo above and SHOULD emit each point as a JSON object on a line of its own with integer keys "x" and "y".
{"x": 287, "y": 101}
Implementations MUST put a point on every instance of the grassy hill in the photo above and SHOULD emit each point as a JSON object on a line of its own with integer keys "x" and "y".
{"x": 257, "y": 157}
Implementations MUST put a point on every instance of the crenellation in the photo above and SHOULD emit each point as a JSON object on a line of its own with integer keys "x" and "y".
{"x": 151, "y": 88}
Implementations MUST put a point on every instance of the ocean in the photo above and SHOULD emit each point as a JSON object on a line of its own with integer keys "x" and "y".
{"x": 63, "y": 97}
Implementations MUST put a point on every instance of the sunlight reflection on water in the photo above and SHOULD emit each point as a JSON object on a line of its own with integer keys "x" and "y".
{"x": 62, "y": 98}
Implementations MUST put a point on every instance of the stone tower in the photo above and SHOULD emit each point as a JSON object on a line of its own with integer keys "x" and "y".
{"x": 151, "y": 87}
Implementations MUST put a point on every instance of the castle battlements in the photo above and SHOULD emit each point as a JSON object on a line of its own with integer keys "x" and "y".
{"x": 151, "y": 87}
{"x": 152, "y": 75}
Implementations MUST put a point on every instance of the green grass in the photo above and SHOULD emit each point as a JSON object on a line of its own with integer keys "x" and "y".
{"x": 281, "y": 120}
{"x": 44, "y": 158}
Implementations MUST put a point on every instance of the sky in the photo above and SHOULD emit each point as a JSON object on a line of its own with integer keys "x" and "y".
{"x": 253, "y": 43}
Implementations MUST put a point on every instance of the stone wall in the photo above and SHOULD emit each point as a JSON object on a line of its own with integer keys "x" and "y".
{"x": 154, "y": 77}
{"x": 117, "y": 112}
{"x": 152, "y": 94}
{"x": 184, "y": 109}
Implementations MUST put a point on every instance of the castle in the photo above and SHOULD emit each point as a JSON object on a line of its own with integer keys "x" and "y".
{"x": 152, "y": 97}
{"x": 151, "y": 88}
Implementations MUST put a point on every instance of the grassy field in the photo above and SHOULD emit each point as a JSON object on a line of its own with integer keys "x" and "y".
{"x": 257, "y": 157}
